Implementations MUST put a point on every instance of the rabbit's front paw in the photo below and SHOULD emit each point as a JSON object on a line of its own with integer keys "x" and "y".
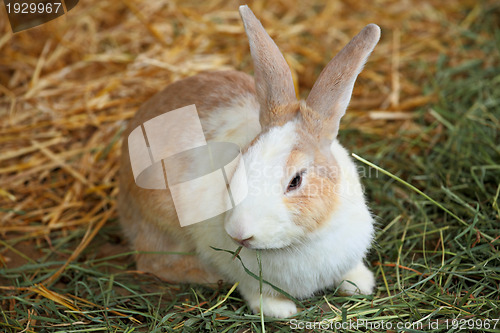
{"x": 359, "y": 281}
{"x": 277, "y": 307}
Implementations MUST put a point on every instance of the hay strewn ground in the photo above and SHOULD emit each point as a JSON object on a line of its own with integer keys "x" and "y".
{"x": 426, "y": 109}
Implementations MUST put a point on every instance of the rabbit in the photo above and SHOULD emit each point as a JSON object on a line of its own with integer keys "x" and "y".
{"x": 305, "y": 210}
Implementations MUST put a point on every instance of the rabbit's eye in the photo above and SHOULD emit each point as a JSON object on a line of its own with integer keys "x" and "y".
{"x": 295, "y": 182}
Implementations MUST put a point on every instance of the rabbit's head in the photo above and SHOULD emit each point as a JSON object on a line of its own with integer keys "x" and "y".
{"x": 296, "y": 184}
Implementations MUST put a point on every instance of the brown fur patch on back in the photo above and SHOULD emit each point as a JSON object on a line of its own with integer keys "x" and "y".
{"x": 207, "y": 90}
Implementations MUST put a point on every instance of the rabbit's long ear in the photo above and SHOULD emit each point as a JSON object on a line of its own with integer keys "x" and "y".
{"x": 273, "y": 79}
{"x": 332, "y": 91}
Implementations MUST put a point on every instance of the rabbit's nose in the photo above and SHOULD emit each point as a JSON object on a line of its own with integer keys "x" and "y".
{"x": 244, "y": 242}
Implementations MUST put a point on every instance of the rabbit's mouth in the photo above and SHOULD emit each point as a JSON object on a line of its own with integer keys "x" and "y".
{"x": 252, "y": 243}
{"x": 247, "y": 242}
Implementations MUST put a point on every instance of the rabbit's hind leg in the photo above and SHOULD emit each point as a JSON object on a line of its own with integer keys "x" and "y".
{"x": 170, "y": 259}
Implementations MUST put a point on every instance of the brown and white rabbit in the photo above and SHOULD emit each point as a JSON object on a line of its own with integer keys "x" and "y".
{"x": 305, "y": 210}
